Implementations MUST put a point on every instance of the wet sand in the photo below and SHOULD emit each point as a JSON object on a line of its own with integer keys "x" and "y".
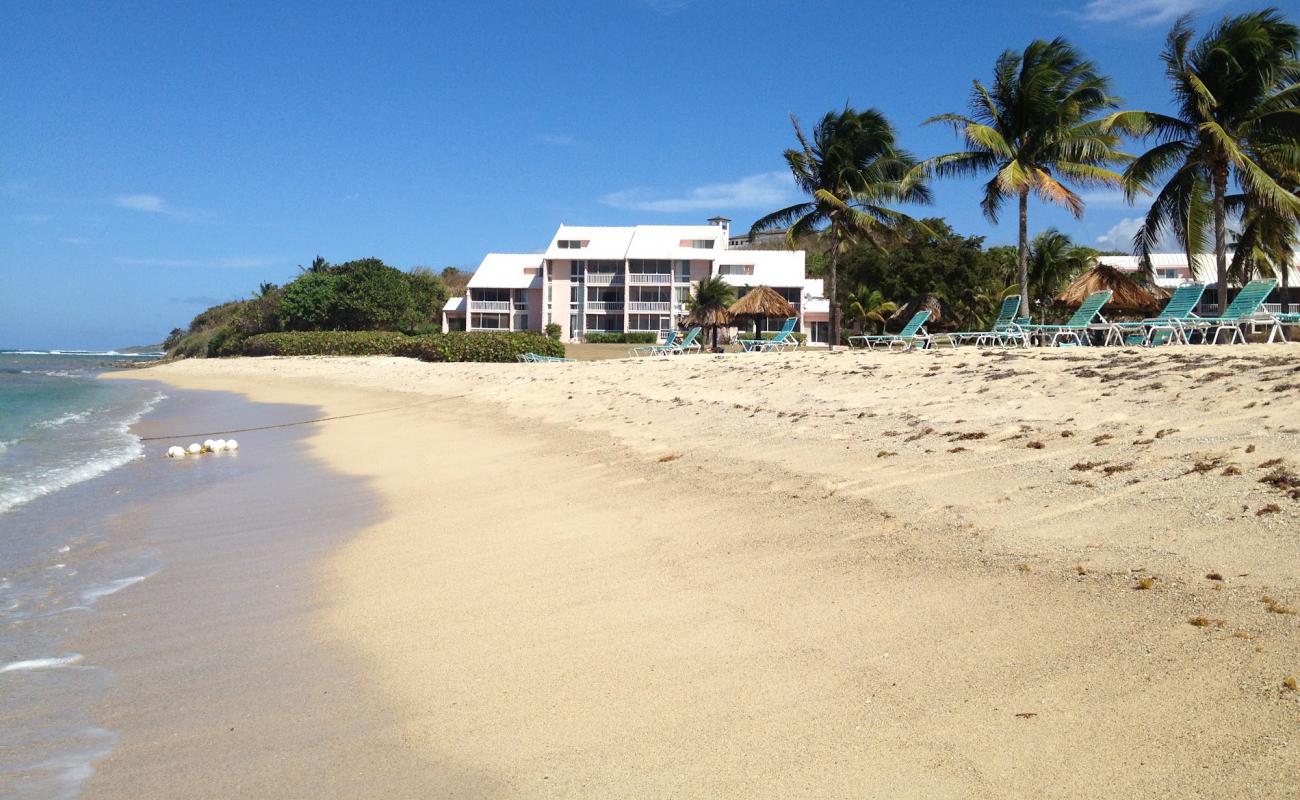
{"x": 217, "y": 682}
{"x": 809, "y": 575}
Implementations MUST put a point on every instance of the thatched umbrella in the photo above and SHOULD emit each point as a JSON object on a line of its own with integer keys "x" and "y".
{"x": 1128, "y": 296}
{"x": 710, "y": 317}
{"x": 760, "y": 303}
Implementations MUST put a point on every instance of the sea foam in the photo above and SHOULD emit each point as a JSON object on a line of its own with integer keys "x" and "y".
{"x": 54, "y": 662}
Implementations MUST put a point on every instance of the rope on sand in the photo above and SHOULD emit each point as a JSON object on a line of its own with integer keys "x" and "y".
{"x": 300, "y": 422}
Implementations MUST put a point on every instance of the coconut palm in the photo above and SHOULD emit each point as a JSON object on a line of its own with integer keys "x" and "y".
{"x": 852, "y": 169}
{"x": 1054, "y": 261}
{"x": 708, "y": 304}
{"x": 1035, "y": 129}
{"x": 1238, "y": 118}
{"x": 867, "y": 306}
{"x": 1267, "y": 245}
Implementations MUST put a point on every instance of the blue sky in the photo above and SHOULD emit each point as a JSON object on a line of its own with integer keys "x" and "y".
{"x": 156, "y": 158}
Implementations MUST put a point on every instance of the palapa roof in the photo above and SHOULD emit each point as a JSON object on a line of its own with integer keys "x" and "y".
{"x": 709, "y": 316}
{"x": 1127, "y": 295}
{"x": 762, "y": 301}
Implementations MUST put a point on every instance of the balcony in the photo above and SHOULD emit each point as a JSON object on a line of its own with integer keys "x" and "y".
{"x": 600, "y": 305}
{"x": 649, "y": 277}
{"x": 489, "y": 305}
{"x": 603, "y": 278}
{"x": 637, "y": 305}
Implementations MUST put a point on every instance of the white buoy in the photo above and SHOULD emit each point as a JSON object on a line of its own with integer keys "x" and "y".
{"x": 207, "y": 444}
{"x": 218, "y": 445}
{"x": 175, "y": 452}
{"x": 231, "y": 444}
{"x": 195, "y": 449}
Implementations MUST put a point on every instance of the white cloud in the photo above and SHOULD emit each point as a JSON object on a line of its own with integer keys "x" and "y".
{"x": 1120, "y": 235}
{"x": 1104, "y": 199}
{"x": 153, "y": 204}
{"x": 199, "y": 263}
{"x": 766, "y": 190}
{"x": 1144, "y": 12}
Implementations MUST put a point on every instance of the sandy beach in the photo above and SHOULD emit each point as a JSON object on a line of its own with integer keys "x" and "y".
{"x": 933, "y": 574}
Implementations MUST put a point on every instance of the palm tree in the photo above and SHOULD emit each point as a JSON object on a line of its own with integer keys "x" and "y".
{"x": 867, "y": 305}
{"x": 1053, "y": 261}
{"x": 708, "y": 304}
{"x": 1237, "y": 101}
{"x": 851, "y": 169}
{"x": 1035, "y": 127}
{"x": 1267, "y": 245}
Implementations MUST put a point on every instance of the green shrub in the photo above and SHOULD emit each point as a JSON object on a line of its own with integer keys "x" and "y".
{"x": 309, "y": 302}
{"x": 321, "y": 343}
{"x": 478, "y": 346}
{"x": 636, "y": 337}
{"x": 553, "y": 330}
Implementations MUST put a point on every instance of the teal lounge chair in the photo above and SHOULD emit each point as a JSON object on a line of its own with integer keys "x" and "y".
{"x": 1243, "y": 309}
{"x": 913, "y": 332}
{"x": 1074, "y": 331}
{"x": 533, "y": 358}
{"x": 1004, "y": 331}
{"x": 687, "y": 344}
{"x": 782, "y": 338}
{"x": 1284, "y": 320}
{"x": 1163, "y": 327}
{"x": 670, "y": 339}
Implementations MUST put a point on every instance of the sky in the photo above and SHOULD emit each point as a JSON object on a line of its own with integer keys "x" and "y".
{"x": 158, "y": 158}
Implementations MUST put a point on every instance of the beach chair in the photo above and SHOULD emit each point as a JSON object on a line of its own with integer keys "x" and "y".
{"x": 686, "y": 345}
{"x": 1004, "y": 331}
{"x": 533, "y": 358}
{"x": 913, "y": 332}
{"x": 1163, "y": 327}
{"x": 1073, "y": 332}
{"x": 1243, "y": 310}
{"x": 783, "y": 338}
{"x": 670, "y": 339}
{"x": 1283, "y": 321}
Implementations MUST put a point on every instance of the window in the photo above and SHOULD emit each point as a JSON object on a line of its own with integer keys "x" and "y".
{"x": 490, "y": 295}
{"x": 696, "y": 244}
{"x": 574, "y": 330}
{"x": 605, "y": 322}
{"x": 735, "y": 269}
{"x": 683, "y": 270}
{"x": 1169, "y": 273}
{"x": 489, "y": 321}
{"x": 650, "y": 266}
{"x": 570, "y": 244}
{"x": 648, "y": 322}
{"x": 521, "y": 322}
{"x": 575, "y": 296}
{"x": 521, "y": 299}
{"x": 680, "y": 295}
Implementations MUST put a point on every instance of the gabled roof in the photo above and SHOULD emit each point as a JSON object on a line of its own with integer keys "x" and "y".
{"x": 456, "y": 303}
{"x": 599, "y": 243}
{"x": 666, "y": 241}
{"x": 771, "y": 267}
{"x": 508, "y": 271}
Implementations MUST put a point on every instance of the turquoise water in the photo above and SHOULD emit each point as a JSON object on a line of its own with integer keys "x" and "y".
{"x": 60, "y": 428}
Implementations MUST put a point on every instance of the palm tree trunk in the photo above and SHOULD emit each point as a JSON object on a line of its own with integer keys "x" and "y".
{"x": 1221, "y": 234}
{"x": 1024, "y": 252}
{"x": 835, "y": 310}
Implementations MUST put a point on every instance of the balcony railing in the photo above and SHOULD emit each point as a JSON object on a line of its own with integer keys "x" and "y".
{"x": 649, "y": 277}
{"x": 601, "y": 305}
{"x": 638, "y": 305}
{"x": 603, "y": 278}
{"x": 489, "y": 305}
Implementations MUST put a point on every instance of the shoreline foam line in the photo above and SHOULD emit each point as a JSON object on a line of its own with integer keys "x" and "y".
{"x": 53, "y": 662}
{"x": 300, "y": 422}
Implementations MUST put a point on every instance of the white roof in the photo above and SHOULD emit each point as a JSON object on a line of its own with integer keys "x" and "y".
{"x": 771, "y": 267}
{"x": 665, "y": 241}
{"x": 602, "y": 243}
{"x": 454, "y": 303}
{"x": 1203, "y": 270}
{"x": 509, "y": 271}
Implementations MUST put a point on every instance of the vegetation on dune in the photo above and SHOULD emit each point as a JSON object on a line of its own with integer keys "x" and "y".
{"x": 455, "y": 346}
{"x": 363, "y": 295}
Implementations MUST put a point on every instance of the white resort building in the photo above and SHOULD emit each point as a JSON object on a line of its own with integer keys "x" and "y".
{"x": 627, "y": 279}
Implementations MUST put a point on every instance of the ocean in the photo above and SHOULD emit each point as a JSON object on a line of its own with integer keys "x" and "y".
{"x": 59, "y": 429}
